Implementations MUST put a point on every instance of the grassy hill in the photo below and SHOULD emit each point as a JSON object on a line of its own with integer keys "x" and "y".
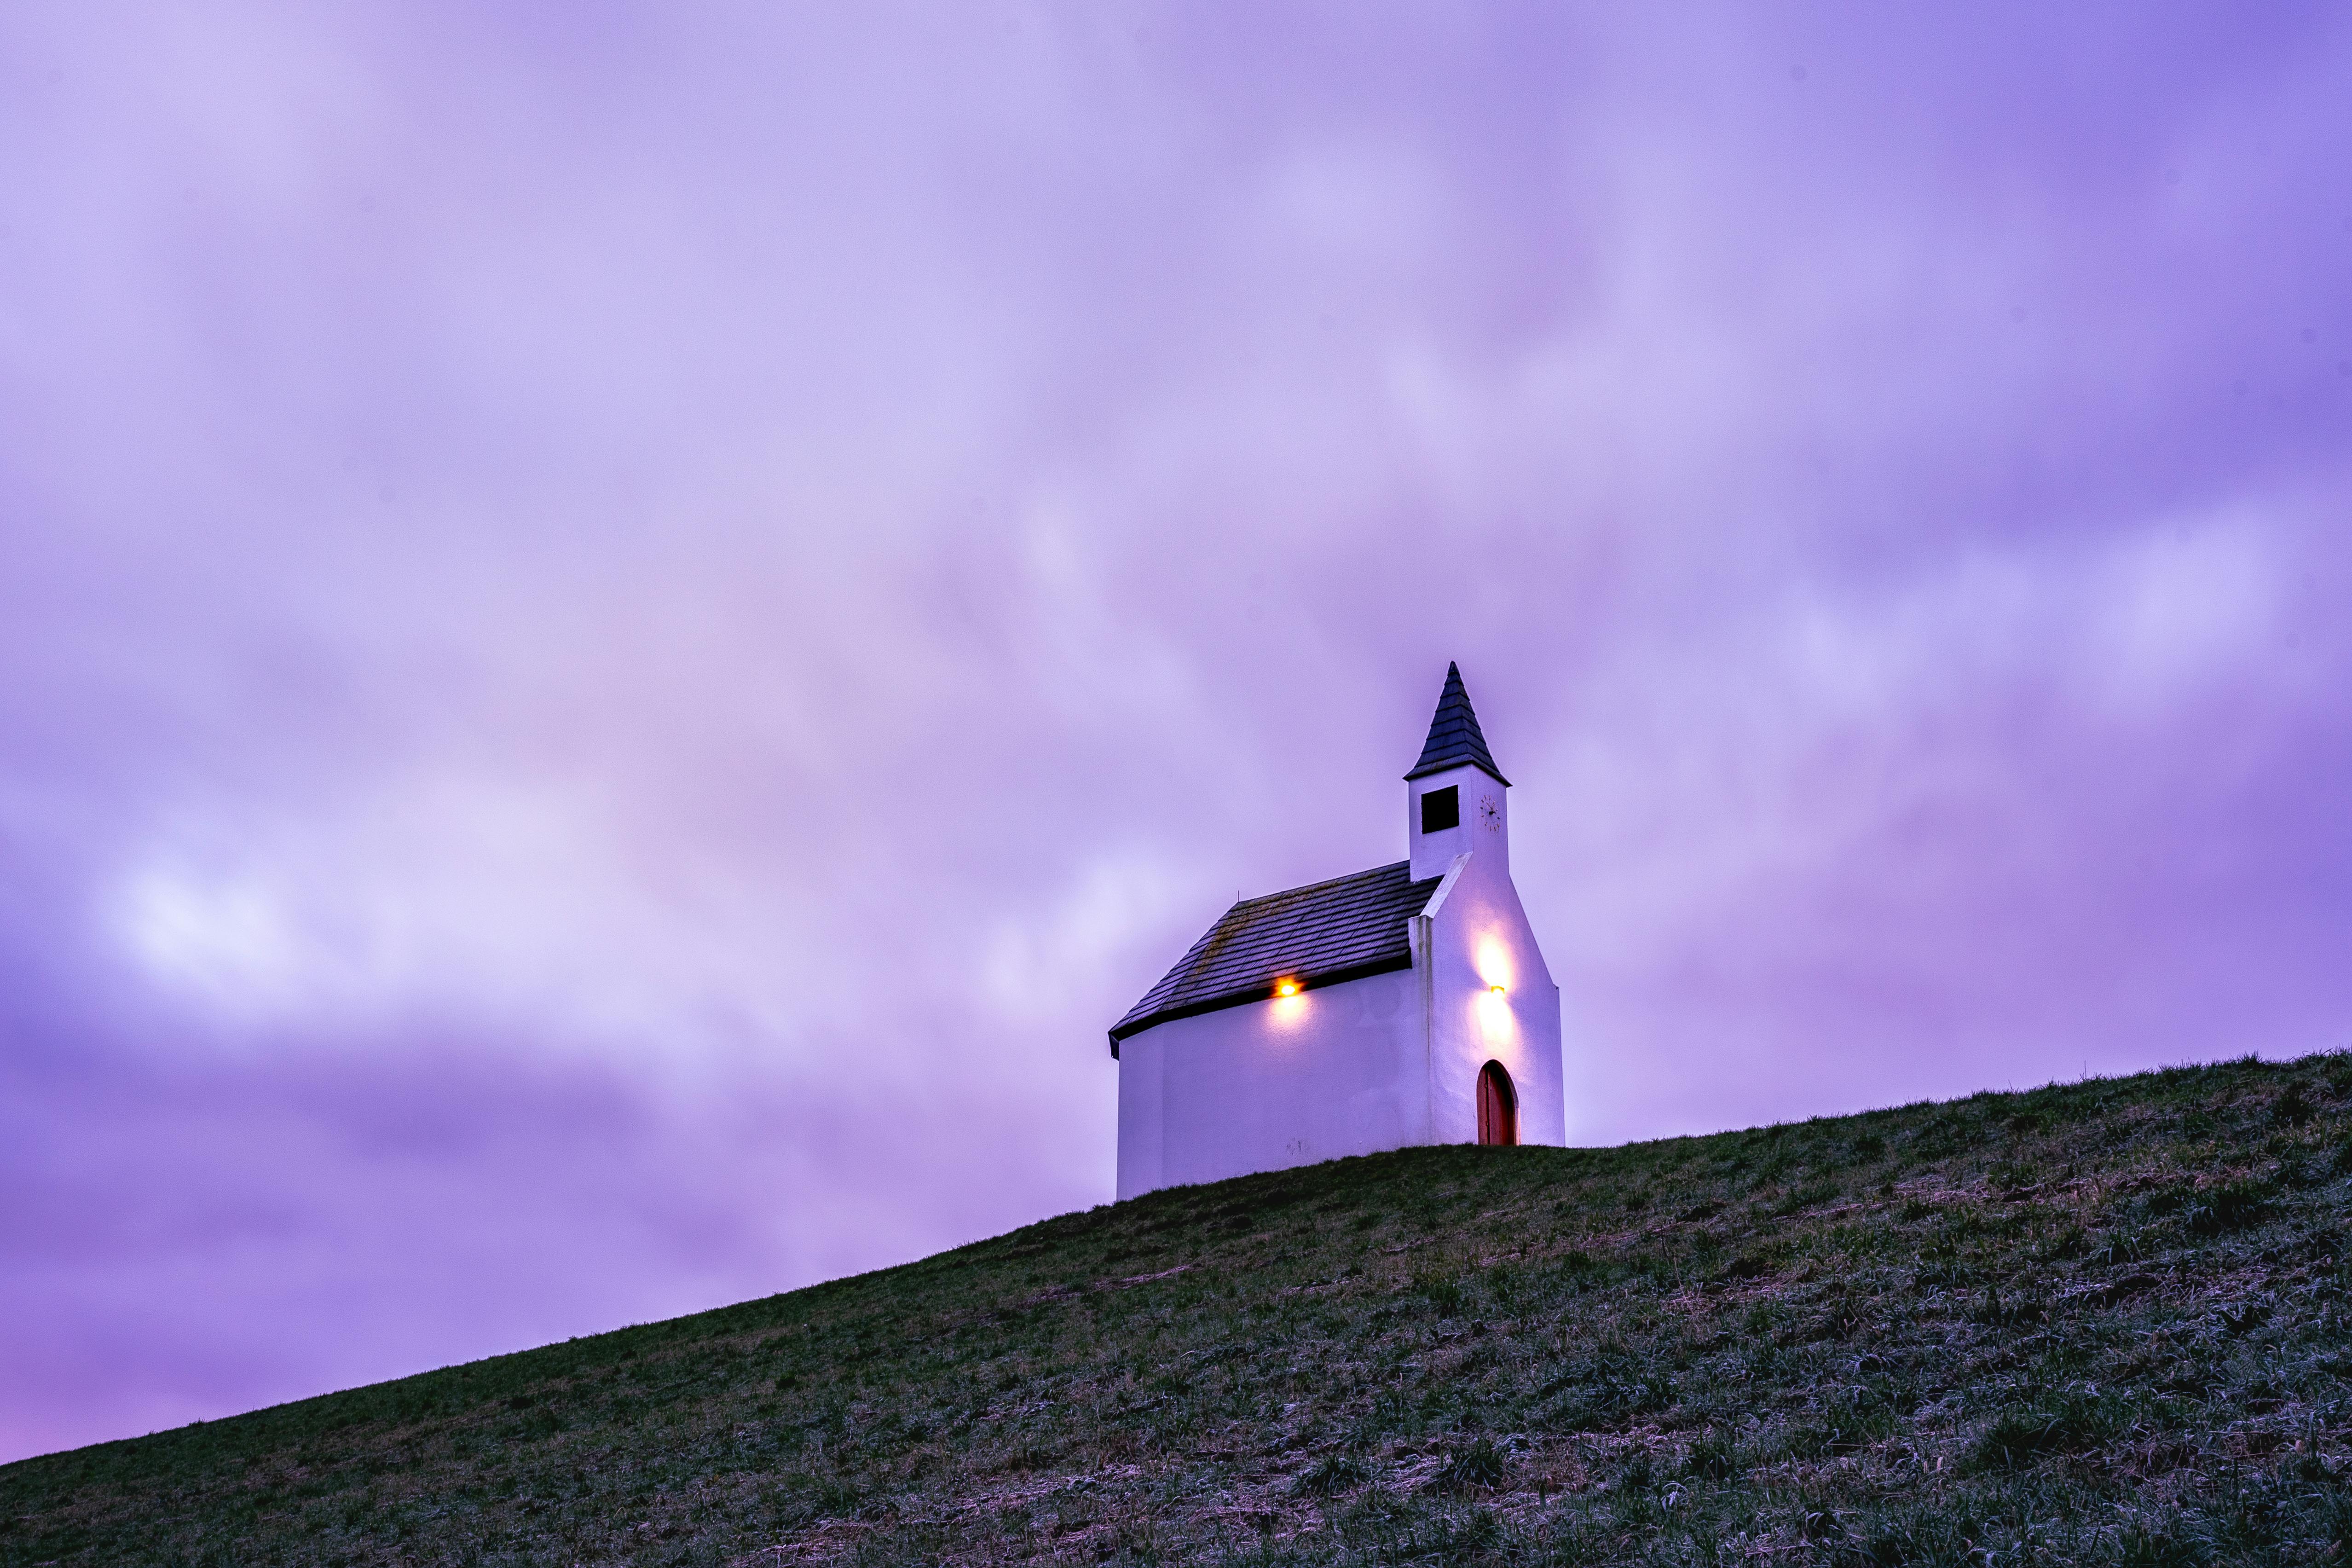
{"x": 2105, "y": 1322}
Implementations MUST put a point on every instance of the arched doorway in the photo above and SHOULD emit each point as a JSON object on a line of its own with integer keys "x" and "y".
{"x": 1498, "y": 1106}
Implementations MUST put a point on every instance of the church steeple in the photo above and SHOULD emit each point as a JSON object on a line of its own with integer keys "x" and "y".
{"x": 1453, "y": 738}
{"x": 1456, "y": 800}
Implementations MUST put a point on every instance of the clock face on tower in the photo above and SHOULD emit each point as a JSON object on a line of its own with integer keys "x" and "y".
{"x": 1490, "y": 814}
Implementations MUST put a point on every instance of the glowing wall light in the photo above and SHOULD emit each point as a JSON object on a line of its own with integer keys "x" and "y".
{"x": 1289, "y": 1003}
{"x": 1494, "y": 1018}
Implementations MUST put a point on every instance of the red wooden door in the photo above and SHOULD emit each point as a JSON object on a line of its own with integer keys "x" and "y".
{"x": 1498, "y": 1106}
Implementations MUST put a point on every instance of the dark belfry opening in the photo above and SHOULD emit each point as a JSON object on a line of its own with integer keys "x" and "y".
{"x": 1440, "y": 809}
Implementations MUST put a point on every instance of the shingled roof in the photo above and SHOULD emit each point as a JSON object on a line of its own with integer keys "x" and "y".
{"x": 1318, "y": 935}
{"x": 1453, "y": 737}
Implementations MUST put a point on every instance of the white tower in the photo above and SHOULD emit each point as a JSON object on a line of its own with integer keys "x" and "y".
{"x": 1456, "y": 799}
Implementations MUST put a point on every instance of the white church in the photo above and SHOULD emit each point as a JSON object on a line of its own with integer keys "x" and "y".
{"x": 1404, "y": 1005}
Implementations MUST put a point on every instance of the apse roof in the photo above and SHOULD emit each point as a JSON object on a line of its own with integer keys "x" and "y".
{"x": 1319, "y": 935}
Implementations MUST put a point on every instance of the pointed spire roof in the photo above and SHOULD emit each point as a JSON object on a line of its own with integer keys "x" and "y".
{"x": 1453, "y": 738}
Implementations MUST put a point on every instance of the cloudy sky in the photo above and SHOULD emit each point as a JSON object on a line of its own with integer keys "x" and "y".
{"x": 623, "y": 629}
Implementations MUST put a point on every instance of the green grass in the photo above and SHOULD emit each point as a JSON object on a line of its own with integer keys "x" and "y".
{"x": 2098, "y": 1323}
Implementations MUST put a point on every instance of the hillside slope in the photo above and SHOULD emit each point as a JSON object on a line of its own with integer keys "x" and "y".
{"x": 2097, "y": 1323}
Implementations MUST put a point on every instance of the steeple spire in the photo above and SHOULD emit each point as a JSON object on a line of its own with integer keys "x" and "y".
{"x": 1453, "y": 737}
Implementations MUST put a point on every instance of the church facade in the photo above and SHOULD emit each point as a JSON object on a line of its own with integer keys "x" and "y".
{"x": 1400, "y": 1006}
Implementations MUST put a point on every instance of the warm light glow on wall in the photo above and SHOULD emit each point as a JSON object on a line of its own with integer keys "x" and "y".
{"x": 1495, "y": 967}
{"x": 1494, "y": 1018}
{"x": 1286, "y": 986}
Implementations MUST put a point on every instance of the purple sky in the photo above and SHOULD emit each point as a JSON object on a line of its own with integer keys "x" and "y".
{"x": 621, "y": 634}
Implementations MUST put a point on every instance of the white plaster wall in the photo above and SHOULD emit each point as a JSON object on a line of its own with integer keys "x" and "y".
{"x": 1479, "y": 938}
{"x": 1142, "y": 1071}
{"x": 1336, "y": 1070}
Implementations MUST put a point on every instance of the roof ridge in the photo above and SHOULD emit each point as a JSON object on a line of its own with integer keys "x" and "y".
{"x": 1326, "y": 882}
